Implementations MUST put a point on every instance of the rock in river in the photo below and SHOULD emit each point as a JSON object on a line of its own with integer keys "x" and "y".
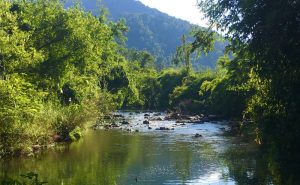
{"x": 162, "y": 128}
{"x": 146, "y": 122}
{"x": 118, "y": 116}
{"x": 125, "y": 122}
{"x": 155, "y": 119}
{"x": 197, "y": 135}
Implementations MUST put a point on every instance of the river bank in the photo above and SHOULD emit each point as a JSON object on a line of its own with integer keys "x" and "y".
{"x": 149, "y": 156}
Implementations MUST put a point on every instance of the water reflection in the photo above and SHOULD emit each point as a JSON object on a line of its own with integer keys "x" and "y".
{"x": 174, "y": 157}
{"x": 111, "y": 157}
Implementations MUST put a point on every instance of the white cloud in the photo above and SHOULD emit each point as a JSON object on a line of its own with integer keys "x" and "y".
{"x": 183, "y": 9}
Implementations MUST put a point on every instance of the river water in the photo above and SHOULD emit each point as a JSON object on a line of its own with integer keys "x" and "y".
{"x": 148, "y": 157}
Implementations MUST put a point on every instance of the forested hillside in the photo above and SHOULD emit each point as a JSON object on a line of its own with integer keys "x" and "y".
{"x": 153, "y": 31}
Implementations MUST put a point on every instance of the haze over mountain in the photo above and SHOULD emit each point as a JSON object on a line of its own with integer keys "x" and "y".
{"x": 152, "y": 30}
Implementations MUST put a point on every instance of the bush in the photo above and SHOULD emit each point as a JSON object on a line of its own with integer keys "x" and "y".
{"x": 21, "y": 106}
{"x": 169, "y": 80}
{"x": 186, "y": 96}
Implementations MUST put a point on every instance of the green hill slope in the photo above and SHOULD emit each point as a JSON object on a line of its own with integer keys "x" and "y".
{"x": 152, "y": 30}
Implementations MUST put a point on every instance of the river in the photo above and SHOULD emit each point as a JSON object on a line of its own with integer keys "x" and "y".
{"x": 148, "y": 157}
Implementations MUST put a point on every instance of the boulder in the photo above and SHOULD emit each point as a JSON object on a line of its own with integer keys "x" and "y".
{"x": 183, "y": 121}
{"x": 125, "y": 122}
{"x": 172, "y": 116}
{"x": 58, "y": 138}
{"x": 162, "y": 128}
{"x": 118, "y": 116}
{"x": 114, "y": 125}
{"x": 156, "y": 119}
{"x": 146, "y": 122}
{"x": 185, "y": 117}
{"x": 197, "y": 135}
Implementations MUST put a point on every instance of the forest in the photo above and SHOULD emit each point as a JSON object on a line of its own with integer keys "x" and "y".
{"x": 62, "y": 70}
{"x": 152, "y": 30}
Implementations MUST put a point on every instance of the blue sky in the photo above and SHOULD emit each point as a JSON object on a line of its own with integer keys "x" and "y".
{"x": 183, "y": 9}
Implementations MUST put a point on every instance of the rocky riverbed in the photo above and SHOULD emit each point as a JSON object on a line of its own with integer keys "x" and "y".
{"x": 160, "y": 121}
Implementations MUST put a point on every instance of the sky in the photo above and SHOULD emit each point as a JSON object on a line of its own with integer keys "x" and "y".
{"x": 183, "y": 9}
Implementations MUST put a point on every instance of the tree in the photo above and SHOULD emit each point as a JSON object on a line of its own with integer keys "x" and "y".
{"x": 183, "y": 54}
{"x": 52, "y": 61}
{"x": 266, "y": 34}
{"x": 203, "y": 43}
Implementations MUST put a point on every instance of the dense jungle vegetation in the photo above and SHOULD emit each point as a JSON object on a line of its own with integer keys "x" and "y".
{"x": 63, "y": 69}
{"x": 265, "y": 39}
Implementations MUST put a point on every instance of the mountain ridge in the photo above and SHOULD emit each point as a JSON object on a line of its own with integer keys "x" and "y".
{"x": 152, "y": 30}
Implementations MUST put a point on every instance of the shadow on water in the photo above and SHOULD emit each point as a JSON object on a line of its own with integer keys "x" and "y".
{"x": 262, "y": 165}
{"x": 156, "y": 157}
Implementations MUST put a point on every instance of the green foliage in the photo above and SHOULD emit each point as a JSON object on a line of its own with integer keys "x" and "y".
{"x": 118, "y": 30}
{"x": 52, "y": 62}
{"x": 21, "y": 105}
{"x": 203, "y": 43}
{"x": 145, "y": 59}
{"x": 204, "y": 40}
{"x": 169, "y": 80}
{"x": 183, "y": 54}
{"x": 68, "y": 118}
{"x": 76, "y": 134}
{"x": 223, "y": 100}
{"x": 265, "y": 36}
{"x": 186, "y": 95}
{"x": 30, "y": 178}
{"x": 225, "y": 93}
{"x": 150, "y": 90}
{"x": 117, "y": 79}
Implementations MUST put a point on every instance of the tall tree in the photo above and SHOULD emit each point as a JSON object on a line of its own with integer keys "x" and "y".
{"x": 267, "y": 35}
{"x": 202, "y": 44}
